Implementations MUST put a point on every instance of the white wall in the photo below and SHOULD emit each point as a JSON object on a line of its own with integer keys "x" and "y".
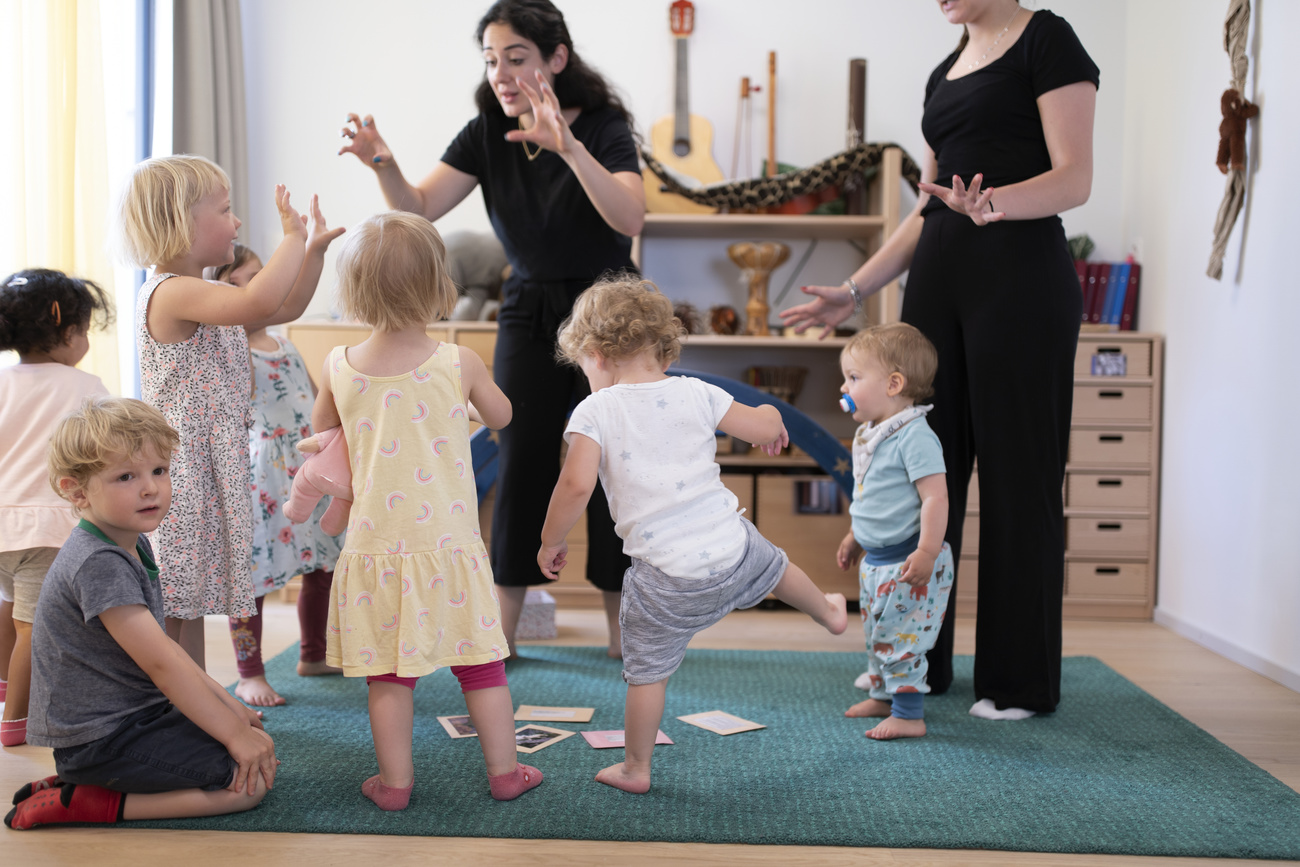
{"x": 1229, "y": 506}
{"x": 414, "y": 65}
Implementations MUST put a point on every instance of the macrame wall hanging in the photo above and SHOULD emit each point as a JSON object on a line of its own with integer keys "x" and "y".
{"x": 1231, "y": 158}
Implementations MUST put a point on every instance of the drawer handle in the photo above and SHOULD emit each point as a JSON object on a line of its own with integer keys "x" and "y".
{"x": 1111, "y": 395}
{"x": 1111, "y": 527}
{"x": 1107, "y": 570}
{"x": 1110, "y": 438}
{"x": 1108, "y": 350}
{"x": 1109, "y": 483}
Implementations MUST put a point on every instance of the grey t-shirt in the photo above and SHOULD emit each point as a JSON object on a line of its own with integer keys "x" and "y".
{"x": 83, "y": 683}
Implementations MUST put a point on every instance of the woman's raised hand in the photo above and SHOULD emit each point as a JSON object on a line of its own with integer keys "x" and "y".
{"x": 969, "y": 201}
{"x": 291, "y": 221}
{"x": 830, "y": 306}
{"x": 549, "y": 130}
{"x": 364, "y": 141}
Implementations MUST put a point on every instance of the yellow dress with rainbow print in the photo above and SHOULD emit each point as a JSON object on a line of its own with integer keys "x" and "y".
{"x": 412, "y": 589}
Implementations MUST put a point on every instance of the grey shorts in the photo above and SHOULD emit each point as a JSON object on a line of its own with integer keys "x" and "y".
{"x": 660, "y": 614}
{"x": 21, "y": 575}
{"x": 157, "y": 749}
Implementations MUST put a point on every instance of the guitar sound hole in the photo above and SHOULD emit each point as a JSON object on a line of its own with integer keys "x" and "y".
{"x": 681, "y": 148}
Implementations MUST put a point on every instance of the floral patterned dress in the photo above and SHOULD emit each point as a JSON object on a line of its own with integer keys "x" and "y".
{"x": 204, "y": 544}
{"x": 282, "y": 402}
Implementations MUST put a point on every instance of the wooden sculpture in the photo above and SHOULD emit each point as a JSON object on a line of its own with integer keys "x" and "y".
{"x": 757, "y": 261}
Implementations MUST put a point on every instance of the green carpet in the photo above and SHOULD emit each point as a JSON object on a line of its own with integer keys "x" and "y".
{"x": 1114, "y": 771}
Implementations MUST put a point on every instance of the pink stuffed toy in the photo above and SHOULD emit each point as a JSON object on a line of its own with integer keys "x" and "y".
{"x": 324, "y": 472}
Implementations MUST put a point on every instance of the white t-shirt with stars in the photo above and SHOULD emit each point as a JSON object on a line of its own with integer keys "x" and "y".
{"x": 657, "y": 464}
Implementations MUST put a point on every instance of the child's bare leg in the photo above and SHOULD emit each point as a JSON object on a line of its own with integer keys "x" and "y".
{"x": 189, "y": 635}
{"x": 797, "y": 589}
{"x": 493, "y": 713}
{"x": 645, "y": 710}
{"x": 870, "y": 708}
{"x": 13, "y": 731}
{"x": 191, "y": 803}
{"x": 612, "y": 602}
{"x": 7, "y": 637}
{"x": 392, "y": 717}
{"x": 512, "y": 605}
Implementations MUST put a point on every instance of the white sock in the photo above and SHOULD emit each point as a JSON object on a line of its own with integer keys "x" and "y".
{"x": 863, "y": 681}
{"x": 985, "y": 709}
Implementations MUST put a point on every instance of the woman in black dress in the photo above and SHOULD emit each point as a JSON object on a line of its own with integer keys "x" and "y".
{"x": 552, "y": 148}
{"x": 1008, "y": 126}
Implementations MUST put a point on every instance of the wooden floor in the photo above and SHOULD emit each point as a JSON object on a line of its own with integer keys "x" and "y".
{"x": 1255, "y": 716}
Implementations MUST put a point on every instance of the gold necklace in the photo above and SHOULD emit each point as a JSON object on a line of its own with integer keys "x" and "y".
{"x": 532, "y": 155}
{"x": 1014, "y": 13}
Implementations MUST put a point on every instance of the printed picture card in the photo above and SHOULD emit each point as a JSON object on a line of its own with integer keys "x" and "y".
{"x": 721, "y": 722}
{"x": 458, "y": 726}
{"x": 554, "y": 714}
{"x": 605, "y": 740}
{"x": 531, "y": 738}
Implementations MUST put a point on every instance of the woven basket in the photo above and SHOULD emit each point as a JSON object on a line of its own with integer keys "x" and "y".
{"x": 782, "y": 382}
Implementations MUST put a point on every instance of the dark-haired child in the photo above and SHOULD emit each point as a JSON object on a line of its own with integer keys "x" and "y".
{"x": 44, "y": 317}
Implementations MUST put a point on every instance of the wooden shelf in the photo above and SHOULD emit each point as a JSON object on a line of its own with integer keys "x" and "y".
{"x": 714, "y": 226}
{"x": 762, "y": 461}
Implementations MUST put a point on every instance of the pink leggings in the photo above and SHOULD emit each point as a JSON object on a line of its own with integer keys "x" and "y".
{"x": 313, "y": 614}
{"x": 471, "y": 677}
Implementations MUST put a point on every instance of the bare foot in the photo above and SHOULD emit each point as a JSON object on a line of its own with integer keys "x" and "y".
{"x": 870, "y": 707}
{"x": 619, "y": 777}
{"x": 838, "y": 620}
{"x": 257, "y": 692}
{"x": 316, "y": 669}
{"x": 893, "y": 727}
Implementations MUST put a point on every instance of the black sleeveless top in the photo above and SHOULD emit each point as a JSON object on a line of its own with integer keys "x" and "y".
{"x": 987, "y": 121}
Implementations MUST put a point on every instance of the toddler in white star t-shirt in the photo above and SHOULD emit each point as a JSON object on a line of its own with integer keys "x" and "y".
{"x": 649, "y": 438}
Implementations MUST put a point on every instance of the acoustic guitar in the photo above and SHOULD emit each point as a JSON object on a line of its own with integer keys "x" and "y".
{"x": 683, "y": 141}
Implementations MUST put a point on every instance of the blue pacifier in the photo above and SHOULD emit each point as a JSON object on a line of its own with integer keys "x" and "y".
{"x": 847, "y": 404}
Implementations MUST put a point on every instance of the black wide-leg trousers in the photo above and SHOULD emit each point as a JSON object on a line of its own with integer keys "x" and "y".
{"x": 542, "y": 391}
{"x": 1002, "y": 305}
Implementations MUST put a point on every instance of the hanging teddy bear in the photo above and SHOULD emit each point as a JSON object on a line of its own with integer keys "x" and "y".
{"x": 1232, "y": 130}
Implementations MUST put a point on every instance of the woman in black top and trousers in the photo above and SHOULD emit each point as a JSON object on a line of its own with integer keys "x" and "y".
{"x": 1008, "y": 123}
{"x": 553, "y": 151}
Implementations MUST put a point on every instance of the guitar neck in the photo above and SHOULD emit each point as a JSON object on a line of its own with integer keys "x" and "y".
{"x": 681, "y": 103}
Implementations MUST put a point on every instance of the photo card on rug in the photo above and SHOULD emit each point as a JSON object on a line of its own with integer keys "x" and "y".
{"x": 721, "y": 722}
{"x": 458, "y": 726}
{"x": 605, "y": 740}
{"x": 554, "y": 714}
{"x": 531, "y": 738}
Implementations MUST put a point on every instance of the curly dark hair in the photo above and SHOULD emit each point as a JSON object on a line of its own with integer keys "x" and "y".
{"x": 30, "y": 321}
{"x": 538, "y": 21}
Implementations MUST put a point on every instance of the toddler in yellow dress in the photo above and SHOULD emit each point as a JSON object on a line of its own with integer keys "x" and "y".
{"x": 413, "y": 589}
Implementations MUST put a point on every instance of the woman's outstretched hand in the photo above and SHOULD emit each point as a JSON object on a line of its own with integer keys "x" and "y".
{"x": 969, "y": 201}
{"x": 549, "y": 130}
{"x": 365, "y": 142}
{"x": 830, "y": 306}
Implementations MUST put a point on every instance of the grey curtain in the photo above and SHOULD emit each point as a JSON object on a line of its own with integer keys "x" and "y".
{"x": 208, "y": 103}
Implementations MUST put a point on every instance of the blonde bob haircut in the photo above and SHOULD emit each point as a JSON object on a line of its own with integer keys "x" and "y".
{"x": 155, "y": 216}
{"x": 102, "y": 430}
{"x": 619, "y": 317}
{"x": 900, "y": 348}
{"x": 393, "y": 272}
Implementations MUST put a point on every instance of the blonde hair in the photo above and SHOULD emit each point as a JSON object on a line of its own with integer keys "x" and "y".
{"x": 105, "y": 428}
{"x": 900, "y": 348}
{"x": 155, "y": 220}
{"x": 620, "y": 317}
{"x": 393, "y": 272}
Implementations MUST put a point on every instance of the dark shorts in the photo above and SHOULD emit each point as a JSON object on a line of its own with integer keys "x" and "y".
{"x": 157, "y": 749}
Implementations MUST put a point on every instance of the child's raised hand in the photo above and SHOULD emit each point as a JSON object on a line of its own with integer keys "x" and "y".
{"x": 254, "y": 751}
{"x": 291, "y": 221}
{"x": 917, "y": 568}
{"x": 552, "y": 558}
{"x": 319, "y": 235}
{"x": 365, "y": 142}
{"x": 849, "y": 552}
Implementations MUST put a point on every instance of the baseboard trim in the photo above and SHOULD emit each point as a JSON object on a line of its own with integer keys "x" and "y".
{"x": 1228, "y": 650}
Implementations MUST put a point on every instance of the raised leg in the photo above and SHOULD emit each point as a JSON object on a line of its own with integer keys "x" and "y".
{"x": 797, "y": 589}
